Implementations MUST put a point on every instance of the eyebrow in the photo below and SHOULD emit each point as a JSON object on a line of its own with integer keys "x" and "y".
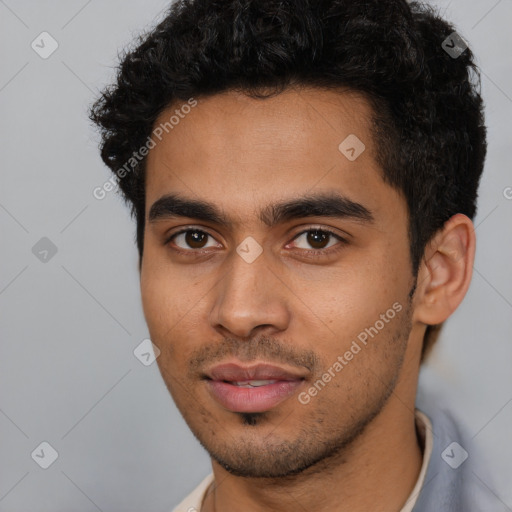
{"x": 310, "y": 205}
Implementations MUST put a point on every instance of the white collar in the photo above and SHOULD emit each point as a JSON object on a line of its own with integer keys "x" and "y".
{"x": 424, "y": 429}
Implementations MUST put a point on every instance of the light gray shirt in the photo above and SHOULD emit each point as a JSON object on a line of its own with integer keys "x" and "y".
{"x": 458, "y": 478}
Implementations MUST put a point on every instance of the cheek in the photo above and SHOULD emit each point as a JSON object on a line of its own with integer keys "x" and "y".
{"x": 173, "y": 305}
{"x": 166, "y": 295}
{"x": 344, "y": 301}
{"x": 156, "y": 297}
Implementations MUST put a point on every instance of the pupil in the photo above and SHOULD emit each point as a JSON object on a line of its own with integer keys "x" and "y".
{"x": 317, "y": 238}
{"x": 195, "y": 238}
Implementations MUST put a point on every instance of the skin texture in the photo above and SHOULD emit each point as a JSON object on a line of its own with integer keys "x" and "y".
{"x": 207, "y": 305}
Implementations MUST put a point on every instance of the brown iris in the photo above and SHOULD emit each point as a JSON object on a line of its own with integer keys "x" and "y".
{"x": 317, "y": 238}
{"x": 195, "y": 239}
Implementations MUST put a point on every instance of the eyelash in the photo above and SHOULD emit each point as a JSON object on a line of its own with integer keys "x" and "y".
{"x": 311, "y": 253}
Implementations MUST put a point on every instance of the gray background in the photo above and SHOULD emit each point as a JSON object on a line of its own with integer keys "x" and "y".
{"x": 70, "y": 324}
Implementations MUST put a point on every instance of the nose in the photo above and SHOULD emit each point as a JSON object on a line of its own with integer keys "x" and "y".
{"x": 250, "y": 297}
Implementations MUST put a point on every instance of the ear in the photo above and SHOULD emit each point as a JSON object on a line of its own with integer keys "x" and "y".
{"x": 445, "y": 271}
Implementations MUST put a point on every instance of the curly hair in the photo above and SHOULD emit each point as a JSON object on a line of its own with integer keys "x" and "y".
{"x": 428, "y": 119}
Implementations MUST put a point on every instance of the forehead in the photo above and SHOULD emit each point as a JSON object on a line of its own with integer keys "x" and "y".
{"x": 231, "y": 148}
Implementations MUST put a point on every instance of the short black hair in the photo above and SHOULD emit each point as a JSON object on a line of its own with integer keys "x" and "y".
{"x": 428, "y": 119}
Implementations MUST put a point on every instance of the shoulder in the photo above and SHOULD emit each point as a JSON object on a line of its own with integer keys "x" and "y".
{"x": 192, "y": 503}
{"x": 457, "y": 469}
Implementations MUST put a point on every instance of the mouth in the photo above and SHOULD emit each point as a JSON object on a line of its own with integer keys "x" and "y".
{"x": 252, "y": 383}
{"x": 256, "y": 388}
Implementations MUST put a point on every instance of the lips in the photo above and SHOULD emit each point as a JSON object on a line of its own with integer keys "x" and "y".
{"x": 251, "y": 388}
{"x": 232, "y": 372}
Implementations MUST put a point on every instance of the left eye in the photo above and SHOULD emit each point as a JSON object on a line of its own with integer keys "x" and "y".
{"x": 318, "y": 239}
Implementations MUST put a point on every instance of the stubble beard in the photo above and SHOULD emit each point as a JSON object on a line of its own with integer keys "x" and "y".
{"x": 320, "y": 441}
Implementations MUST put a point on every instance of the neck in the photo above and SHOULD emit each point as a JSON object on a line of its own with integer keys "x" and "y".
{"x": 376, "y": 472}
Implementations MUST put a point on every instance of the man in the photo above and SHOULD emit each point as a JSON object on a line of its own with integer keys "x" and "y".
{"x": 303, "y": 175}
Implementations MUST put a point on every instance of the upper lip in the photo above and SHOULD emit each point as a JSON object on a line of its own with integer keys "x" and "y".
{"x": 233, "y": 372}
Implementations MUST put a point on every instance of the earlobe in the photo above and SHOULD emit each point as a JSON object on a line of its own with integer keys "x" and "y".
{"x": 445, "y": 272}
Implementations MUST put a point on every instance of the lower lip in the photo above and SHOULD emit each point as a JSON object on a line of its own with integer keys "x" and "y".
{"x": 257, "y": 399}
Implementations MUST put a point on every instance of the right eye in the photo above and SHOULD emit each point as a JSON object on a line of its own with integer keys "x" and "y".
{"x": 191, "y": 239}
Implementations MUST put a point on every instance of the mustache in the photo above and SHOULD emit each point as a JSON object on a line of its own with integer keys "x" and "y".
{"x": 263, "y": 348}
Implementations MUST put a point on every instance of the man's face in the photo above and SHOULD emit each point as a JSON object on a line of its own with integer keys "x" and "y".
{"x": 270, "y": 286}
